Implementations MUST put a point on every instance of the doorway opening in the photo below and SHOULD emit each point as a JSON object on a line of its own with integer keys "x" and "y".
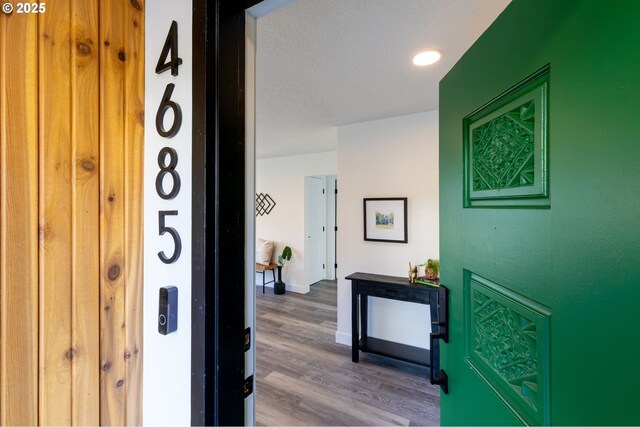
{"x": 299, "y": 355}
{"x": 320, "y": 228}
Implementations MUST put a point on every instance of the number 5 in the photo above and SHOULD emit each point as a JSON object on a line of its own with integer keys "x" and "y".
{"x": 176, "y": 237}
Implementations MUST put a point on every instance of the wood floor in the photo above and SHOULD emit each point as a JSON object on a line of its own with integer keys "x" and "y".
{"x": 305, "y": 378}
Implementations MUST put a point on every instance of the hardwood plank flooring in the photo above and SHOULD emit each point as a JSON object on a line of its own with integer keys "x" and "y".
{"x": 304, "y": 378}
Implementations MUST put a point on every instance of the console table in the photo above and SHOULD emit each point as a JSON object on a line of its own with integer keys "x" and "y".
{"x": 364, "y": 285}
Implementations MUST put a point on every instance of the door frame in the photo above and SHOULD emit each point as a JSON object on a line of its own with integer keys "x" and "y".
{"x": 219, "y": 205}
{"x": 332, "y": 227}
{"x": 219, "y": 248}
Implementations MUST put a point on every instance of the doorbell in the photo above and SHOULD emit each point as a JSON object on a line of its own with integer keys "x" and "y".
{"x": 168, "y": 310}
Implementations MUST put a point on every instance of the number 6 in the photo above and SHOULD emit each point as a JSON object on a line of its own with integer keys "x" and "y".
{"x": 166, "y": 104}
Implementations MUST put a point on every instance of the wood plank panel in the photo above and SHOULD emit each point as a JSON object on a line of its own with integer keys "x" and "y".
{"x": 18, "y": 220}
{"x": 56, "y": 210}
{"x": 71, "y": 168}
{"x": 134, "y": 196}
{"x": 3, "y": 221}
{"x": 112, "y": 212}
{"x": 85, "y": 191}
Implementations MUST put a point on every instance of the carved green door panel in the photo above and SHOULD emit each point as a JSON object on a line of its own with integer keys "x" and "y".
{"x": 540, "y": 217}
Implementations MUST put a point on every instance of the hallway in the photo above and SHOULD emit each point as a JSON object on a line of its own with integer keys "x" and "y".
{"x": 305, "y": 378}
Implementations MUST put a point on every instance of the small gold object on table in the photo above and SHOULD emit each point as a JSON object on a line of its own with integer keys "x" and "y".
{"x": 413, "y": 273}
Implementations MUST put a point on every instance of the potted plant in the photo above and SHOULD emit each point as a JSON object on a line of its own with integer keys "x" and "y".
{"x": 279, "y": 286}
{"x": 432, "y": 269}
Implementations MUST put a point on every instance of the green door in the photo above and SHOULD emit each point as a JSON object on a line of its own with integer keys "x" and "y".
{"x": 540, "y": 217}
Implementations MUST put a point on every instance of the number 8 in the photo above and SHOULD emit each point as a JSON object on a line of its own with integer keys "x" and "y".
{"x": 168, "y": 169}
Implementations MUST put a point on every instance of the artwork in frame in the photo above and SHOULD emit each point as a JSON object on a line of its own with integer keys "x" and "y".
{"x": 385, "y": 219}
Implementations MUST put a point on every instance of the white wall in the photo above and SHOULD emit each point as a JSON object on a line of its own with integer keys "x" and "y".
{"x": 167, "y": 358}
{"x": 395, "y": 157}
{"x": 283, "y": 179}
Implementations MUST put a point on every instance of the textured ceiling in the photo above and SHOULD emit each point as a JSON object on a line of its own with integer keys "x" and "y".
{"x": 328, "y": 63}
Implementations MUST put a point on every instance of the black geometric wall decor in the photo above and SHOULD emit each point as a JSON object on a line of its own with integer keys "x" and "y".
{"x": 264, "y": 204}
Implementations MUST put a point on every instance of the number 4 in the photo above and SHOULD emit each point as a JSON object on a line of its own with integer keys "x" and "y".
{"x": 170, "y": 44}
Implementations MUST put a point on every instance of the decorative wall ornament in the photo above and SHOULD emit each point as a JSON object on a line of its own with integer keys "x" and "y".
{"x": 505, "y": 147}
{"x": 507, "y": 344}
{"x": 264, "y": 204}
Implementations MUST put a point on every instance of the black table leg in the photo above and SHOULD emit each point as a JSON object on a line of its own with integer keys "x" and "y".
{"x": 355, "y": 334}
{"x": 364, "y": 317}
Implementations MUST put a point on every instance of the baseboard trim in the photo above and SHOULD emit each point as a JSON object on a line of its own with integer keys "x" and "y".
{"x": 289, "y": 288}
{"x": 298, "y": 289}
{"x": 342, "y": 338}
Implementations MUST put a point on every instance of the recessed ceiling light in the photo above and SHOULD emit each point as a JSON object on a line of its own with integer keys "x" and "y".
{"x": 426, "y": 58}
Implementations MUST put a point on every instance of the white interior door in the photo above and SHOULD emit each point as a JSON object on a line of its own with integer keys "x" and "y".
{"x": 314, "y": 211}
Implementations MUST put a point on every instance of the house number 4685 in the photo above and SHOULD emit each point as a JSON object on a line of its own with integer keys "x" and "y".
{"x": 168, "y": 157}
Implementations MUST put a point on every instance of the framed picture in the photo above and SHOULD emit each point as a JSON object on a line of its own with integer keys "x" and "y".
{"x": 385, "y": 219}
